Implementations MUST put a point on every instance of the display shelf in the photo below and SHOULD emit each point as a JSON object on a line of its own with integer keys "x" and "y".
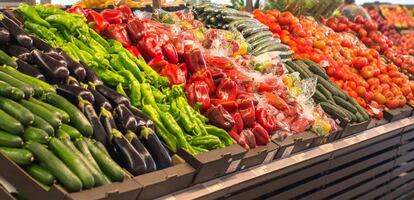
{"x": 350, "y": 167}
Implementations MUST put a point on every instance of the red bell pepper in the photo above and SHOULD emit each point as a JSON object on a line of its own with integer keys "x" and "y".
{"x": 264, "y": 87}
{"x": 241, "y": 141}
{"x": 126, "y": 13}
{"x": 276, "y": 101}
{"x": 204, "y": 75}
{"x": 134, "y": 50}
{"x": 238, "y": 122}
{"x": 158, "y": 63}
{"x": 118, "y": 32}
{"x": 195, "y": 60}
{"x": 218, "y": 116}
{"x": 177, "y": 74}
{"x": 261, "y": 135}
{"x": 112, "y": 16}
{"x": 227, "y": 89}
{"x": 249, "y": 137}
{"x": 100, "y": 23}
{"x": 230, "y": 106}
{"x": 76, "y": 9}
{"x": 198, "y": 92}
{"x": 267, "y": 120}
{"x": 149, "y": 46}
{"x": 247, "y": 111}
{"x": 135, "y": 30}
{"x": 300, "y": 124}
{"x": 170, "y": 53}
{"x": 179, "y": 46}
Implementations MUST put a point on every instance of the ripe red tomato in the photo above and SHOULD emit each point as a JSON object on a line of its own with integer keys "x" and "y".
{"x": 367, "y": 72}
{"x": 359, "y": 62}
{"x": 402, "y": 100}
{"x": 405, "y": 90}
{"x": 373, "y": 81}
{"x": 361, "y": 102}
{"x": 368, "y": 96}
{"x": 392, "y": 103}
{"x": 379, "y": 98}
{"x": 361, "y": 91}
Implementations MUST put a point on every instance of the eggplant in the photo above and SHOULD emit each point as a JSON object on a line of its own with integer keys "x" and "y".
{"x": 76, "y": 69}
{"x": 72, "y": 93}
{"x": 4, "y": 36}
{"x": 100, "y": 100}
{"x": 29, "y": 70}
{"x": 125, "y": 119}
{"x": 142, "y": 117}
{"x": 99, "y": 133}
{"x": 54, "y": 54}
{"x": 114, "y": 97}
{"x": 19, "y": 52}
{"x": 53, "y": 69}
{"x": 13, "y": 28}
{"x": 136, "y": 143}
{"x": 132, "y": 160}
{"x": 13, "y": 16}
{"x": 108, "y": 122}
{"x": 41, "y": 44}
{"x": 25, "y": 40}
{"x": 72, "y": 81}
{"x": 91, "y": 76}
{"x": 156, "y": 149}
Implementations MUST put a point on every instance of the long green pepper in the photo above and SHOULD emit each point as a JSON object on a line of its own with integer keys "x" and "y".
{"x": 30, "y": 13}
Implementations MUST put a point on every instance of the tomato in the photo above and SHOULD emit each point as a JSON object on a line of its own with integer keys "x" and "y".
{"x": 362, "y": 33}
{"x": 388, "y": 94}
{"x": 367, "y": 72}
{"x": 320, "y": 44}
{"x": 285, "y": 18}
{"x": 363, "y": 83}
{"x": 361, "y": 102}
{"x": 392, "y": 103}
{"x": 402, "y": 100}
{"x": 394, "y": 73}
{"x": 351, "y": 84}
{"x": 406, "y": 90}
{"x": 359, "y": 19}
{"x": 373, "y": 81}
{"x": 359, "y": 62}
{"x": 385, "y": 87}
{"x": 397, "y": 80}
{"x": 412, "y": 85}
{"x": 339, "y": 83}
{"x": 331, "y": 71}
{"x": 352, "y": 93}
{"x": 368, "y": 96}
{"x": 361, "y": 91}
{"x": 375, "y": 88}
{"x": 384, "y": 78}
{"x": 379, "y": 98}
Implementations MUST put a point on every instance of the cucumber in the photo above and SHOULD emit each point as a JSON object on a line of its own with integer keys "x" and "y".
{"x": 62, "y": 173}
{"x": 263, "y": 40}
{"x": 317, "y": 69}
{"x": 257, "y": 36}
{"x": 230, "y": 18}
{"x": 61, "y": 134}
{"x": 99, "y": 179}
{"x": 19, "y": 156}
{"x": 264, "y": 45}
{"x": 44, "y": 125}
{"x": 324, "y": 91}
{"x": 344, "y": 104}
{"x": 101, "y": 147}
{"x": 27, "y": 89}
{"x": 319, "y": 96}
{"x": 361, "y": 110}
{"x": 10, "y": 140}
{"x": 295, "y": 67}
{"x": 17, "y": 111}
{"x": 304, "y": 67}
{"x": 36, "y": 134}
{"x": 351, "y": 115}
{"x": 283, "y": 52}
{"x": 72, "y": 132}
{"x": 9, "y": 124}
{"x": 360, "y": 118}
{"x": 41, "y": 174}
{"x": 289, "y": 69}
{"x": 252, "y": 30}
{"x": 82, "y": 146}
{"x": 73, "y": 162}
{"x": 237, "y": 23}
{"x": 78, "y": 120}
{"x": 331, "y": 87}
{"x": 248, "y": 24}
{"x": 65, "y": 117}
{"x": 44, "y": 113}
{"x": 232, "y": 12}
{"x": 333, "y": 110}
{"x": 6, "y": 90}
{"x": 106, "y": 164}
{"x": 35, "y": 83}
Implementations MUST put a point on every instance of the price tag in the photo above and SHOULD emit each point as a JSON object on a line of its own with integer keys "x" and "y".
{"x": 299, "y": 157}
{"x": 327, "y": 147}
{"x": 260, "y": 170}
{"x": 270, "y": 156}
{"x": 287, "y": 151}
{"x": 212, "y": 187}
{"x": 233, "y": 166}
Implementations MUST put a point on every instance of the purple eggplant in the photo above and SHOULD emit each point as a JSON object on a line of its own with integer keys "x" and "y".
{"x": 25, "y": 40}
{"x": 125, "y": 119}
{"x": 72, "y": 93}
{"x": 99, "y": 133}
{"x": 136, "y": 143}
{"x": 72, "y": 81}
{"x": 132, "y": 160}
{"x": 156, "y": 149}
{"x": 114, "y": 97}
{"x": 54, "y": 54}
{"x": 142, "y": 118}
{"x": 18, "y": 52}
{"x": 53, "y": 69}
{"x": 13, "y": 16}
{"x": 13, "y": 28}
{"x": 29, "y": 70}
{"x": 41, "y": 44}
{"x": 91, "y": 76}
{"x": 100, "y": 100}
{"x": 76, "y": 69}
{"x": 4, "y": 36}
{"x": 108, "y": 122}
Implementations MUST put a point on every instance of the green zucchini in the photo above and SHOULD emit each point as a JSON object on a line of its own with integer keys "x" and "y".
{"x": 41, "y": 174}
{"x": 319, "y": 96}
{"x": 73, "y": 162}
{"x": 101, "y": 147}
{"x": 44, "y": 113}
{"x": 264, "y": 45}
{"x": 361, "y": 110}
{"x": 17, "y": 94}
{"x": 106, "y": 164}
{"x": 19, "y": 156}
{"x": 35, "y": 83}
{"x": 295, "y": 67}
{"x": 36, "y": 134}
{"x": 6, "y": 59}
{"x": 252, "y": 30}
{"x": 65, "y": 117}
{"x": 17, "y": 111}
{"x": 360, "y": 118}
{"x": 304, "y": 67}
{"x": 61, "y": 134}
{"x": 333, "y": 110}
{"x": 62, "y": 173}
{"x": 44, "y": 125}
{"x": 233, "y": 12}
{"x": 324, "y": 91}
{"x": 351, "y": 115}
{"x": 230, "y": 18}
{"x": 257, "y": 36}
{"x": 317, "y": 69}
{"x": 6, "y": 90}
{"x": 344, "y": 104}
{"x": 10, "y": 140}
{"x": 331, "y": 87}
{"x": 71, "y": 131}
{"x": 78, "y": 120}
{"x": 263, "y": 40}
{"x": 281, "y": 48}
{"x": 82, "y": 146}
{"x": 26, "y": 88}
{"x": 9, "y": 124}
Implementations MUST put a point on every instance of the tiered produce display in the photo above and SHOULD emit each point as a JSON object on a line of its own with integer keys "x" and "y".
{"x": 92, "y": 97}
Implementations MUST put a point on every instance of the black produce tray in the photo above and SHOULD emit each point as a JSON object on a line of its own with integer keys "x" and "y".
{"x": 295, "y": 143}
{"x": 259, "y": 155}
{"x": 377, "y": 122}
{"x": 398, "y": 113}
{"x": 215, "y": 163}
{"x": 352, "y": 128}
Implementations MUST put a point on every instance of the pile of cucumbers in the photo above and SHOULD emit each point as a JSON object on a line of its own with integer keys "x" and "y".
{"x": 256, "y": 34}
{"x": 331, "y": 98}
{"x": 36, "y": 132}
